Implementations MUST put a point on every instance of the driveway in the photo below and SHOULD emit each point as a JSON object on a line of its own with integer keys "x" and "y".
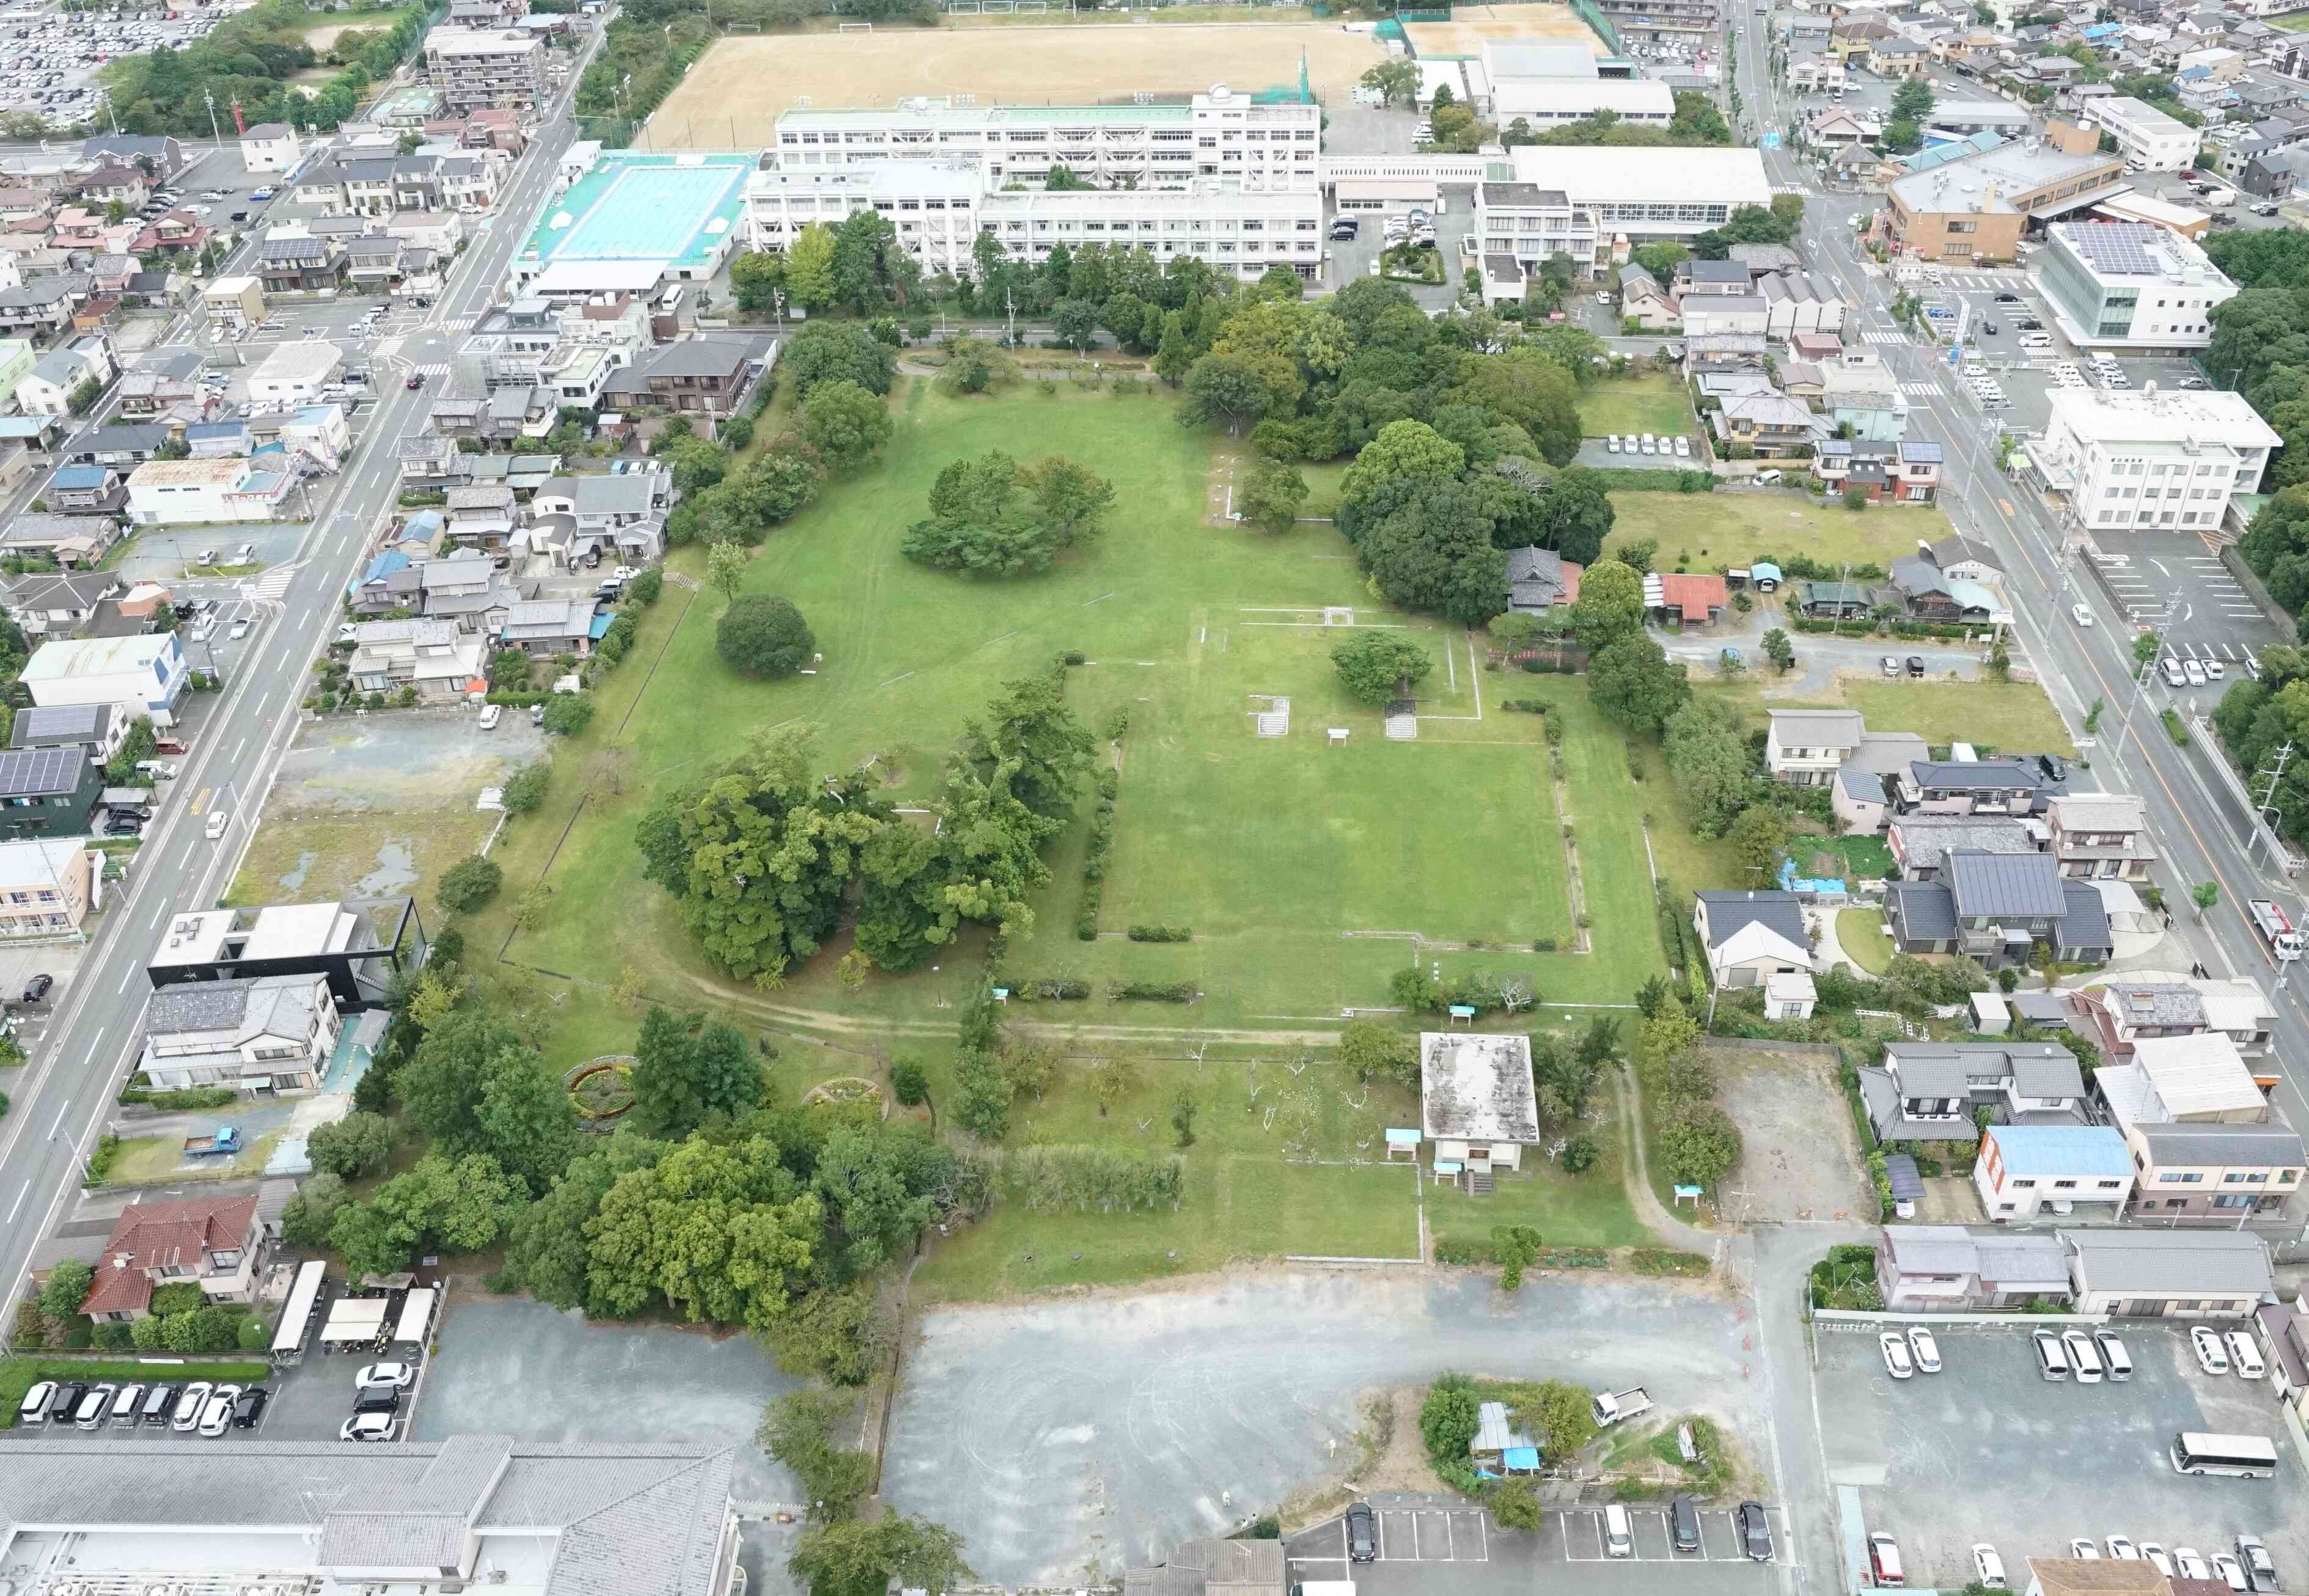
{"x": 1066, "y": 1435}
{"x": 531, "y": 1371}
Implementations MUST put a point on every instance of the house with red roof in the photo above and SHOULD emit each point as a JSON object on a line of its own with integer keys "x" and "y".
{"x": 1694, "y": 598}
{"x": 212, "y": 1242}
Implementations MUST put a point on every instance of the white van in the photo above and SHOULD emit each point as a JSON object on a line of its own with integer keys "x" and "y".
{"x": 2036, "y": 340}
{"x": 2082, "y": 1358}
{"x": 1619, "y": 1539}
{"x": 2052, "y": 1362}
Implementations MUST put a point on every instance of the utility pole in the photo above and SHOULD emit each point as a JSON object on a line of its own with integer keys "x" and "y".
{"x": 209, "y": 96}
{"x": 1010, "y": 303}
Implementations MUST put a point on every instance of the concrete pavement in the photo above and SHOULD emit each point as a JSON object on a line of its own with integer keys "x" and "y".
{"x": 64, "y": 1095}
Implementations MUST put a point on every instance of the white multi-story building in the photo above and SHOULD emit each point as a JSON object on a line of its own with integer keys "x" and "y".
{"x": 2130, "y": 286}
{"x": 1220, "y": 136}
{"x": 1593, "y": 203}
{"x": 2156, "y": 458}
{"x": 473, "y": 67}
{"x": 939, "y": 210}
{"x": 2147, "y": 136}
{"x": 1540, "y": 103}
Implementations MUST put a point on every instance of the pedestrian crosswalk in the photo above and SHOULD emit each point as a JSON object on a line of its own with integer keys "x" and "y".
{"x": 432, "y": 369}
{"x": 1923, "y": 389}
{"x": 1871, "y": 335}
{"x": 459, "y": 323}
{"x": 273, "y": 585}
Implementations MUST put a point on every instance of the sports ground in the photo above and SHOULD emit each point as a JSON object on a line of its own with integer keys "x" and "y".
{"x": 732, "y": 98}
{"x": 676, "y": 209}
{"x": 1471, "y": 27}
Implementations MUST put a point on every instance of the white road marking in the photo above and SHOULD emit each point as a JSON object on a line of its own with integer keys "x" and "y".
{"x": 20, "y": 1201}
{"x": 60, "y": 1119}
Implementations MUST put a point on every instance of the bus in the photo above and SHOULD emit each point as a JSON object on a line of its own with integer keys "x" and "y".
{"x": 2252, "y": 1456}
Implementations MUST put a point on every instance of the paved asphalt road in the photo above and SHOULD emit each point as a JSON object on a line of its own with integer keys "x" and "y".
{"x": 63, "y": 1095}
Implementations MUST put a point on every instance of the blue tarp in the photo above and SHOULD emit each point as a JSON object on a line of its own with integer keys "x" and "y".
{"x": 1525, "y": 1458}
{"x": 1790, "y": 881}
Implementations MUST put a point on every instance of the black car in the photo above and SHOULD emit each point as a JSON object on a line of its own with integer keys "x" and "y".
{"x": 1756, "y": 1532}
{"x": 1988, "y": 329}
{"x": 2029, "y": 324}
{"x": 184, "y": 612}
{"x": 1362, "y": 1533}
{"x": 377, "y": 1398}
{"x": 2008, "y": 298}
{"x": 1915, "y": 665}
{"x": 160, "y": 1405}
{"x": 38, "y": 987}
{"x": 1684, "y": 1524}
{"x": 248, "y": 1407}
{"x": 2055, "y": 767}
{"x": 66, "y": 1402}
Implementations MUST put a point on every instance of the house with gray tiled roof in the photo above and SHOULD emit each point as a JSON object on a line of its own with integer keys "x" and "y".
{"x": 1934, "y": 1092}
{"x": 1997, "y": 908}
{"x": 272, "y": 1033}
{"x": 1921, "y": 843}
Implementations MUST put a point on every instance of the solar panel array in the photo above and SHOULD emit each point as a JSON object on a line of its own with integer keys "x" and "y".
{"x": 34, "y": 772}
{"x": 2119, "y": 248}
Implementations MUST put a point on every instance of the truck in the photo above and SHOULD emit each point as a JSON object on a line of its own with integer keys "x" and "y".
{"x": 1612, "y": 1406}
{"x": 2276, "y": 929}
{"x": 225, "y": 1143}
{"x": 2218, "y": 196}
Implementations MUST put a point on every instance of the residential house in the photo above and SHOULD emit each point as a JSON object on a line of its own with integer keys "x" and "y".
{"x": 481, "y": 515}
{"x": 706, "y": 373}
{"x": 1711, "y": 314}
{"x": 161, "y": 155}
{"x": 1772, "y": 425}
{"x": 2118, "y": 1013}
{"x": 1859, "y": 802}
{"x": 211, "y": 1242}
{"x": 1749, "y": 937}
{"x": 1932, "y": 595}
{"x": 435, "y": 656}
{"x": 2183, "y": 1274}
{"x": 1696, "y": 599}
{"x": 1478, "y": 1105}
{"x": 1643, "y": 301}
{"x": 2195, "y": 1078}
{"x": 219, "y": 440}
{"x": 1540, "y": 580}
{"x": 1833, "y": 128}
{"x": 1863, "y": 394}
{"x": 52, "y": 604}
{"x": 2220, "y": 1170}
{"x": 1921, "y": 843}
{"x": 80, "y": 490}
{"x": 1903, "y": 471}
{"x": 1835, "y": 601}
{"x": 48, "y": 390}
{"x": 1934, "y": 1092}
{"x": 1799, "y": 302}
{"x": 1807, "y": 748}
{"x": 467, "y": 590}
{"x": 270, "y": 147}
{"x": 168, "y": 385}
{"x": 97, "y": 729}
{"x": 1723, "y": 351}
{"x": 116, "y": 180}
{"x": 301, "y": 265}
{"x": 46, "y": 887}
{"x": 41, "y": 308}
{"x": 544, "y": 628}
{"x": 75, "y": 542}
{"x": 1712, "y": 280}
{"x": 272, "y": 1033}
{"x": 175, "y": 233}
{"x": 2002, "y": 786}
{"x": 2100, "y": 836}
{"x": 1948, "y": 1269}
{"x": 118, "y": 444}
{"x": 2023, "y": 1168}
{"x": 579, "y": 517}
{"x": 47, "y": 792}
{"x": 2285, "y": 1348}
{"x": 1997, "y": 908}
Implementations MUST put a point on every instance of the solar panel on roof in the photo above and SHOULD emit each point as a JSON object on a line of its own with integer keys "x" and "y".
{"x": 26, "y": 772}
{"x": 2117, "y": 247}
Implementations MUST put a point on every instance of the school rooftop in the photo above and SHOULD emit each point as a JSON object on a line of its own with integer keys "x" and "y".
{"x": 676, "y": 211}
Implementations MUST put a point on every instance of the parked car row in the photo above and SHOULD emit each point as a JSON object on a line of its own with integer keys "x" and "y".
{"x": 2090, "y": 1357}
{"x": 376, "y": 1402}
{"x": 1646, "y": 444}
{"x": 1753, "y": 1525}
{"x": 2190, "y": 673}
{"x": 2217, "y": 1352}
{"x": 1905, "y": 1356}
{"x": 199, "y": 1407}
{"x": 2248, "y": 1568}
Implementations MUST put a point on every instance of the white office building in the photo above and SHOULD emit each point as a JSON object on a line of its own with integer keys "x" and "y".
{"x": 1595, "y": 203}
{"x": 2156, "y": 458}
{"x": 939, "y": 210}
{"x": 2147, "y": 136}
{"x": 1219, "y": 136}
{"x": 2129, "y": 287}
{"x": 1541, "y": 103}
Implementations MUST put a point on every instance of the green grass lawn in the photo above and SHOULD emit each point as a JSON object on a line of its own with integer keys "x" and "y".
{"x": 1710, "y": 531}
{"x": 1273, "y": 849}
{"x": 1657, "y": 404}
{"x": 2011, "y": 718}
{"x": 2298, "y": 22}
{"x": 1860, "y": 932}
{"x": 1585, "y": 1210}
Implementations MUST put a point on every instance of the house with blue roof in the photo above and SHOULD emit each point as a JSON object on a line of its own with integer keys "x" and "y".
{"x": 2022, "y": 1169}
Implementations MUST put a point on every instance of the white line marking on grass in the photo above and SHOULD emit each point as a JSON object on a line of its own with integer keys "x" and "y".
{"x": 893, "y": 682}
{"x": 1102, "y": 599}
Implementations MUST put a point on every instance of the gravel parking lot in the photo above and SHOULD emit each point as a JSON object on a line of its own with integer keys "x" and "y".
{"x": 1800, "y": 1162}
{"x": 1936, "y": 1456}
{"x": 1067, "y": 1434}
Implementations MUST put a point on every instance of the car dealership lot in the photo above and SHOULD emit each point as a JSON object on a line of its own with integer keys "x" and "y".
{"x": 1937, "y": 1456}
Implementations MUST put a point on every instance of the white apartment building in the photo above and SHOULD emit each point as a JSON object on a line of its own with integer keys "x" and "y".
{"x": 940, "y": 210}
{"x": 2146, "y": 135}
{"x": 197, "y": 492}
{"x": 2156, "y": 458}
{"x": 1595, "y": 203}
{"x": 1540, "y": 103}
{"x": 475, "y": 67}
{"x": 2129, "y": 287}
{"x": 1220, "y": 136}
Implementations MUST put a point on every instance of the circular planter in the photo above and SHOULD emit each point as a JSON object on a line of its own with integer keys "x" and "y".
{"x": 850, "y": 1088}
{"x": 601, "y": 1090}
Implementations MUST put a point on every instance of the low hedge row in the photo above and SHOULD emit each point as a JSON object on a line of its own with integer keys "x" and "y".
{"x": 1162, "y": 934}
{"x": 1150, "y": 991}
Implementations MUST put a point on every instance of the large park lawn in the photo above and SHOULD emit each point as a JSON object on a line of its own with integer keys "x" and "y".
{"x": 1659, "y": 405}
{"x": 1305, "y": 869}
{"x": 1708, "y": 532}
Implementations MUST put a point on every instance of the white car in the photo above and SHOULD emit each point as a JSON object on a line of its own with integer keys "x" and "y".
{"x": 2194, "y": 672}
{"x": 624, "y": 574}
{"x": 1988, "y": 1568}
{"x": 1602, "y": 299}
{"x": 2189, "y": 1562}
{"x": 240, "y": 629}
{"x": 189, "y": 1406}
{"x": 370, "y": 1426}
{"x": 2084, "y": 1550}
{"x": 2122, "y": 1550}
{"x": 2155, "y": 1555}
{"x": 2227, "y": 1567}
{"x": 1895, "y": 1355}
{"x": 1923, "y": 1349}
{"x": 489, "y": 716}
{"x": 395, "y": 1374}
{"x": 1611, "y": 442}
{"x": 216, "y": 1416}
{"x": 2212, "y": 1357}
{"x": 2246, "y": 1356}
{"x": 1683, "y": 447}
{"x": 2082, "y": 615}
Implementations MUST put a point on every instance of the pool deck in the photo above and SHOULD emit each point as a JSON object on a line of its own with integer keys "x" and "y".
{"x": 643, "y": 205}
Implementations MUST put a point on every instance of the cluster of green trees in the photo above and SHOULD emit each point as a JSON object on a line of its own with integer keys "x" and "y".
{"x": 248, "y": 58}
{"x": 1912, "y": 102}
{"x": 1696, "y": 122}
{"x": 992, "y": 517}
{"x": 1699, "y": 1142}
{"x": 180, "y": 1319}
{"x": 763, "y": 853}
{"x": 2255, "y": 719}
{"x": 640, "y": 61}
{"x": 2260, "y": 348}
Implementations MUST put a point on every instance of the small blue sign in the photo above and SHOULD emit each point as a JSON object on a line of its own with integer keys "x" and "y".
{"x": 1770, "y": 141}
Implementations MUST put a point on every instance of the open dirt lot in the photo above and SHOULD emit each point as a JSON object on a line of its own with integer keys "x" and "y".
{"x": 1801, "y": 1158}
{"x": 1935, "y": 1457}
{"x": 1100, "y": 1431}
{"x": 1471, "y": 25}
{"x": 374, "y": 806}
{"x": 734, "y": 94}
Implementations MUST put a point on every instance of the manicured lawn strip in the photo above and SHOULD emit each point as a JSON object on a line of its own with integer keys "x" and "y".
{"x": 1658, "y": 405}
{"x": 1859, "y": 933}
{"x": 1710, "y": 531}
{"x": 1585, "y": 1210}
{"x": 2010, "y": 717}
{"x": 18, "y": 1375}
